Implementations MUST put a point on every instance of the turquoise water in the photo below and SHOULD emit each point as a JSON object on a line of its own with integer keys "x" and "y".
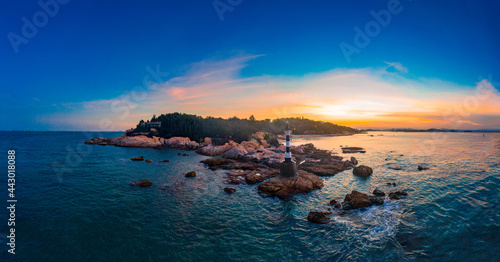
{"x": 75, "y": 204}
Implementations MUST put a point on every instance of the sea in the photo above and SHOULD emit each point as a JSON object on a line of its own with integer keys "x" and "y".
{"x": 74, "y": 203}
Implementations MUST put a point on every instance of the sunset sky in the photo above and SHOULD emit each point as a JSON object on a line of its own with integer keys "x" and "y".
{"x": 104, "y": 66}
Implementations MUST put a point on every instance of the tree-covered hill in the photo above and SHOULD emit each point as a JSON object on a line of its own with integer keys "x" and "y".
{"x": 197, "y": 127}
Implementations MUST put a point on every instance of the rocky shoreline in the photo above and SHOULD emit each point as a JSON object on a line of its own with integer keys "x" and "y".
{"x": 251, "y": 162}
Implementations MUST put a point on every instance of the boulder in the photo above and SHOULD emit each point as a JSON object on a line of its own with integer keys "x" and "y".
{"x": 285, "y": 187}
{"x": 190, "y": 174}
{"x": 181, "y": 143}
{"x": 235, "y": 153}
{"x": 398, "y": 195}
{"x": 354, "y": 160}
{"x": 229, "y": 190}
{"x": 356, "y": 200}
{"x": 137, "y": 141}
{"x": 149, "y": 161}
{"x": 141, "y": 158}
{"x": 378, "y": 192}
{"x": 318, "y": 217}
{"x": 362, "y": 171}
{"x": 212, "y": 150}
{"x": 141, "y": 183}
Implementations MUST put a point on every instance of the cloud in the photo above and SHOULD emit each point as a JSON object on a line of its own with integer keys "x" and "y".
{"x": 365, "y": 97}
{"x": 397, "y": 66}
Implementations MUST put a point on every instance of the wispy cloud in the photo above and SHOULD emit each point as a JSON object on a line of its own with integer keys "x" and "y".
{"x": 367, "y": 97}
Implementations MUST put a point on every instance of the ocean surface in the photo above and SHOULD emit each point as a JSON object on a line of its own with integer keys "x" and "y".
{"x": 75, "y": 204}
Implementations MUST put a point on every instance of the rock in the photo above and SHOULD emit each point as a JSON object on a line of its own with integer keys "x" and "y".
{"x": 257, "y": 176}
{"x": 354, "y": 160}
{"x": 395, "y": 168}
{"x": 377, "y": 200}
{"x": 362, "y": 171}
{"x": 352, "y": 150}
{"x": 97, "y": 141}
{"x": 137, "y": 158}
{"x": 318, "y": 217}
{"x": 235, "y": 152}
{"x": 356, "y": 200}
{"x": 324, "y": 168}
{"x": 149, "y": 161}
{"x": 335, "y": 203}
{"x": 285, "y": 187}
{"x": 378, "y": 192}
{"x": 207, "y": 141}
{"x": 181, "y": 143}
{"x": 422, "y": 167}
{"x": 137, "y": 141}
{"x": 229, "y": 190}
{"x": 141, "y": 183}
{"x": 185, "y": 155}
{"x": 212, "y": 150}
{"x": 179, "y": 154}
{"x": 398, "y": 195}
{"x": 235, "y": 177}
{"x": 165, "y": 161}
{"x": 214, "y": 163}
{"x": 190, "y": 174}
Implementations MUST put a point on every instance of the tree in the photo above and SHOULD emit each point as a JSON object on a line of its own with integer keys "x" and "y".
{"x": 251, "y": 118}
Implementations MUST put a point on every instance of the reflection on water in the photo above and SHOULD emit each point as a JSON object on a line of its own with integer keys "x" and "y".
{"x": 95, "y": 215}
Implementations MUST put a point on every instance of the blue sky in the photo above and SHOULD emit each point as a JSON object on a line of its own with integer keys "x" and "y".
{"x": 91, "y": 51}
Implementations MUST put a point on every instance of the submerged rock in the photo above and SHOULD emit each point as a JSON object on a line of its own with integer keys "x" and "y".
{"x": 285, "y": 187}
{"x": 141, "y": 158}
{"x": 165, "y": 161}
{"x": 190, "y": 174}
{"x": 422, "y": 167}
{"x": 398, "y": 195}
{"x": 229, "y": 190}
{"x": 351, "y": 150}
{"x": 362, "y": 171}
{"x": 318, "y": 217}
{"x": 141, "y": 183}
{"x": 378, "y": 192}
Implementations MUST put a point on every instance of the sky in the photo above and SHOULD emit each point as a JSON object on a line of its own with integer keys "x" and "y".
{"x": 94, "y": 65}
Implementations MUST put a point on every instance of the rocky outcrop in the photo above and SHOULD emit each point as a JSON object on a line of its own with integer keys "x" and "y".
{"x": 362, "y": 171}
{"x": 180, "y": 143}
{"x": 325, "y": 167}
{"x": 212, "y": 150}
{"x": 137, "y": 141}
{"x": 285, "y": 187}
{"x": 318, "y": 217}
{"x": 260, "y": 175}
{"x": 141, "y": 183}
{"x": 356, "y": 200}
{"x": 235, "y": 153}
{"x": 137, "y": 158}
{"x": 236, "y": 177}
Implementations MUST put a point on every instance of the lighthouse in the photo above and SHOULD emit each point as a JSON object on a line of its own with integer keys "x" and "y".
{"x": 288, "y": 167}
